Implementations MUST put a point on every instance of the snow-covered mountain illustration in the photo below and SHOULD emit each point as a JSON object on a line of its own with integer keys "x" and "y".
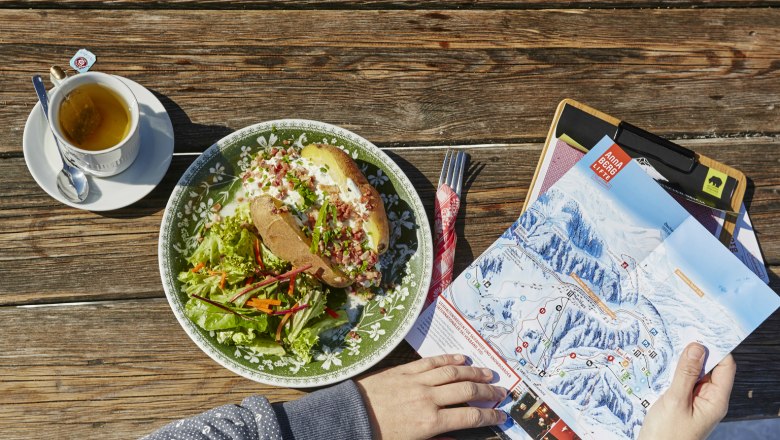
{"x": 593, "y": 293}
{"x": 606, "y": 359}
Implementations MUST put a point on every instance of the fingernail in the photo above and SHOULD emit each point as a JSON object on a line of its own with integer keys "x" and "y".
{"x": 695, "y": 352}
{"x": 502, "y": 392}
{"x": 459, "y": 358}
{"x": 506, "y": 419}
{"x": 487, "y": 372}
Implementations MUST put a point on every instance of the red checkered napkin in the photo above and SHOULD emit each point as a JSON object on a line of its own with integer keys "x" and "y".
{"x": 446, "y": 211}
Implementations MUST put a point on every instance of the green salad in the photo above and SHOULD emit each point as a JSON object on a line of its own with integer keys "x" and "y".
{"x": 248, "y": 297}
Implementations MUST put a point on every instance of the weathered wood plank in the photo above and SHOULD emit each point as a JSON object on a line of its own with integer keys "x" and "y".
{"x": 61, "y": 245}
{"x": 106, "y": 380}
{"x": 379, "y": 4}
{"x": 416, "y": 77}
{"x": 126, "y": 367}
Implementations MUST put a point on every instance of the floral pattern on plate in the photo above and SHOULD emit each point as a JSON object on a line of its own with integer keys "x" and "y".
{"x": 376, "y": 326}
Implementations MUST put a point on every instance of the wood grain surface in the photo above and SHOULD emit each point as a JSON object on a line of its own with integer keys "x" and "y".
{"x": 417, "y": 77}
{"x": 89, "y": 341}
{"x": 381, "y": 4}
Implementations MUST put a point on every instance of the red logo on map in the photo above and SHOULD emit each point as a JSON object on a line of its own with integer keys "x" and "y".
{"x": 610, "y": 163}
{"x": 80, "y": 62}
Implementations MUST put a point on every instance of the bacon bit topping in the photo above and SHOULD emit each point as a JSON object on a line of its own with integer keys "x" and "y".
{"x": 331, "y": 312}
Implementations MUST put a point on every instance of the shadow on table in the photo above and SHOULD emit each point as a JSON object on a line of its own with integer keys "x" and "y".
{"x": 205, "y": 134}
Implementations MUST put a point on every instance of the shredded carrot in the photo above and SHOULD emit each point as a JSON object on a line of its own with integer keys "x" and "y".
{"x": 198, "y": 267}
{"x": 264, "y": 302}
{"x": 223, "y": 277}
{"x": 285, "y": 318}
{"x": 292, "y": 286}
{"x": 264, "y": 305}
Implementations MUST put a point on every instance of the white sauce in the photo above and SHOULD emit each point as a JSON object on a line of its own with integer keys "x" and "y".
{"x": 322, "y": 180}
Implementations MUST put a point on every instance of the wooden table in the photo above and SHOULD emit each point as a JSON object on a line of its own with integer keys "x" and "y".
{"x": 89, "y": 346}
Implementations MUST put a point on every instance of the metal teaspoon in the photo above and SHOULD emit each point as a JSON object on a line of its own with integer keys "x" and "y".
{"x": 71, "y": 181}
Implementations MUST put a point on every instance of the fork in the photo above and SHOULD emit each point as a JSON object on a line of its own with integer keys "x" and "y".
{"x": 446, "y": 208}
{"x": 452, "y": 170}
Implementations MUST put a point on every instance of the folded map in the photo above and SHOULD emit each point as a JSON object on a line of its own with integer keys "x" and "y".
{"x": 583, "y": 306}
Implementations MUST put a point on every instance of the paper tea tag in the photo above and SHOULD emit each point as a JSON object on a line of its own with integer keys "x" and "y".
{"x": 82, "y": 61}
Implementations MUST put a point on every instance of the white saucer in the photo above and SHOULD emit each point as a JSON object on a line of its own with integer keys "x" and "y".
{"x": 106, "y": 193}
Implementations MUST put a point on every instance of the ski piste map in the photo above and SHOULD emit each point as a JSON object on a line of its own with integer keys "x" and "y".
{"x": 583, "y": 306}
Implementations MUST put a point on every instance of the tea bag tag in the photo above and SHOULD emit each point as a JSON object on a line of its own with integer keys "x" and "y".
{"x": 82, "y": 61}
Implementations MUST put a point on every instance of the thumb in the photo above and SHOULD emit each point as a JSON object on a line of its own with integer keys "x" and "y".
{"x": 687, "y": 374}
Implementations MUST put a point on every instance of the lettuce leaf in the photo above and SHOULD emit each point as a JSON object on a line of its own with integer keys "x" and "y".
{"x": 301, "y": 346}
{"x": 229, "y": 237}
{"x": 265, "y": 346}
{"x": 312, "y": 293}
{"x": 307, "y": 338}
{"x": 210, "y": 317}
{"x": 249, "y": 339}
{"x": 228, "y": 250}
{"x": 199, "y": 283}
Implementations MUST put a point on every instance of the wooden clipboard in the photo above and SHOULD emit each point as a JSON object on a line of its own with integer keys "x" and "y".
{"x": 729, "y": 207}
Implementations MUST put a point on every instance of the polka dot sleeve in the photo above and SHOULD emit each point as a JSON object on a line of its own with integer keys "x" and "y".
{"x": 254, "y": 419}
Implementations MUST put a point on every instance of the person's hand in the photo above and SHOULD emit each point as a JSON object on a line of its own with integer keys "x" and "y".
{"x": 689, "y": 410}
{"x": 411, "y": 401}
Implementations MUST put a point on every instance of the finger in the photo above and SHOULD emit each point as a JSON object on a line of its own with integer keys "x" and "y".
{"x": 462, "y": 392}
{"x": 455, "y": 373}
{"x": 429, "y": 363}
{"x": 453, "y": 419}
{"x": 722, "y": 376}
{"x": 687, "y": 374}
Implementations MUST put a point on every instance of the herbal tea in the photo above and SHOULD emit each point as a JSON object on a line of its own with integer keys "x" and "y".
{"x": 94, "y": 117}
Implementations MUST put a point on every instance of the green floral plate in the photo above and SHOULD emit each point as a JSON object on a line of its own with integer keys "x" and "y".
{"x": 384, "y": 321}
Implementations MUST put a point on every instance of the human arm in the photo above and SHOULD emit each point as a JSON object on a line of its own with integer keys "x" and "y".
{"x": 691, "y": 408}
{"x": 403, "y": 402}
{"x": 337, "y": 412}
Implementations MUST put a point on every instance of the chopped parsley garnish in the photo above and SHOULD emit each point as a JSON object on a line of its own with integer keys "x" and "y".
{"x": 307, "y": 194}
{"x": 321, "y": 220}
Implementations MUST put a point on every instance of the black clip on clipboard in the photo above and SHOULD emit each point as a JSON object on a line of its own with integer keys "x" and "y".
{"x": 695, "y": 177}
